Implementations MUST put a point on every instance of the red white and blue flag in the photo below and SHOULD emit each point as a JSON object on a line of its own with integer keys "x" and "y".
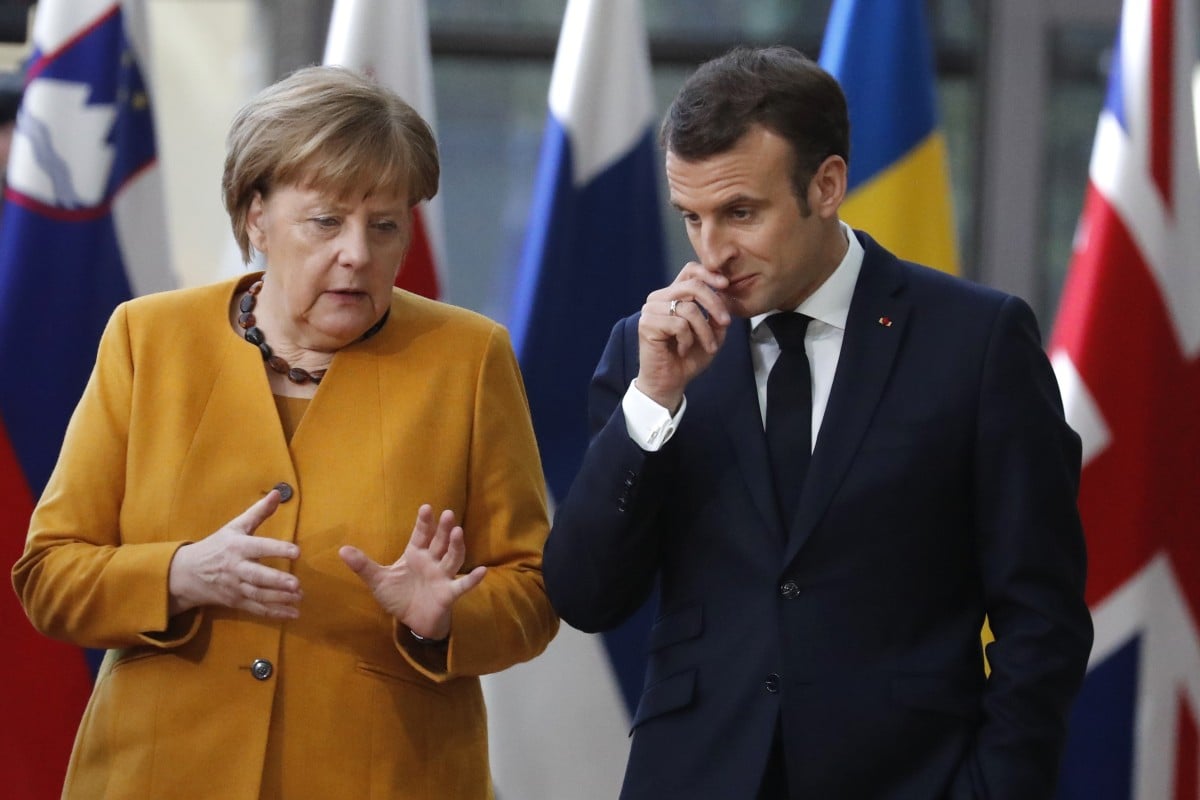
{"x": 83, "y": 229}
{"x": 389, "y": 40}
{"x": 1126, "y": 348}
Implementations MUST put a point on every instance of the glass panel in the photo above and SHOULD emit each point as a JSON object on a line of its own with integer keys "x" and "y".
{"x": 959, "y": 110}
{"x": 1079, "y": 61}
{"x": 708, "y": 20}
{"x": 492, "y": 112}
{"x": 491, "y": 115}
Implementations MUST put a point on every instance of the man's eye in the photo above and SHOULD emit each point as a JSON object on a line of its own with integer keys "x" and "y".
{"x": 325, "y": 222}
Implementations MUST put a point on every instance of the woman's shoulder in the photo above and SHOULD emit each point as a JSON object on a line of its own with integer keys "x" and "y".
{"x": 180, "y": 305}
{"x": 416, "y": 312}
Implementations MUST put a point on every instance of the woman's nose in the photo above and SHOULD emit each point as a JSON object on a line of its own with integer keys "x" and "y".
{"x": 353, "y": 247}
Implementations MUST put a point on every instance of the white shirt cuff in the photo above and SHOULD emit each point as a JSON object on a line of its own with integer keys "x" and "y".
{"x": 649, "y": 424}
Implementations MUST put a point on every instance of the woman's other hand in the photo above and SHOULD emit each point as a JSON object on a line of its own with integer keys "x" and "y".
{"x": 223, "y": 569}
{"x": 420, "y": 589}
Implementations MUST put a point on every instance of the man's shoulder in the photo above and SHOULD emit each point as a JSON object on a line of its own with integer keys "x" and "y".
{"x": 923, "y": 281}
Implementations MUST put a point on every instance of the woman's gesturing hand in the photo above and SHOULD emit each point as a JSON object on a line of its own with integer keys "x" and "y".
{"x": 222, "y": 569}
{"x": 421, "y": 587}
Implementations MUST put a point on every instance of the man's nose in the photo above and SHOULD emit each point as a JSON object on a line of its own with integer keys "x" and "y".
{"x": 716, "y": 248}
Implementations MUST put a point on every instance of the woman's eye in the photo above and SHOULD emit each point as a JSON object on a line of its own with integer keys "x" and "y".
{"x": 325, "y": 222}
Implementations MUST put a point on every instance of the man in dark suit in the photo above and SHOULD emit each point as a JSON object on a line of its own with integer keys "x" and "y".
{"x": 824, "y": 574}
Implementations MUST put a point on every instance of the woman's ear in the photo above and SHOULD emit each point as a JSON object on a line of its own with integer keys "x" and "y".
{"x": 256, "y": 223}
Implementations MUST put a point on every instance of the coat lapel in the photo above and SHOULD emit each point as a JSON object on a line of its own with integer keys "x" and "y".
{"x": 874, "y": 329}
{"x": 730, "y": 382}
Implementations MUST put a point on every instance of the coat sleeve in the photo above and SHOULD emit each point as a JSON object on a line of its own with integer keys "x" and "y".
{"x": 603, "y": 552}
{"x": 76, "y": 579}
{"x": 507, "y": 619}
{"x": 1033, "y": 564}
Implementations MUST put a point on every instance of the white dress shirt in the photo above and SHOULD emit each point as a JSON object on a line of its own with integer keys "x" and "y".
{"x": 651, "y": 426}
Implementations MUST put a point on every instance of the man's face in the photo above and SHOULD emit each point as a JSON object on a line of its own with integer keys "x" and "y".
{"x": 745, "y": 222}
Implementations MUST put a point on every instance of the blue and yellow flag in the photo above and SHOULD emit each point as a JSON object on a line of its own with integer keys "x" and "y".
{"x": 899, "y": 190}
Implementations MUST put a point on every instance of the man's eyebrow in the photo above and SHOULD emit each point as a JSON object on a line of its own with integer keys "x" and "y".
{"x": 737, "y": 200}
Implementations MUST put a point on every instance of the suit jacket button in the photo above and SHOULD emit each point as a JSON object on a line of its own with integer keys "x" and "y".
{"x": 772, "y": 683}
{"x": 262, "y": 669}
{"x": 790, "y": 590}
{"x": 285, "y": 491}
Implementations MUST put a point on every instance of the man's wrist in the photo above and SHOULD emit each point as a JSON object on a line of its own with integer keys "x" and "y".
{"x": 649, "y": 423}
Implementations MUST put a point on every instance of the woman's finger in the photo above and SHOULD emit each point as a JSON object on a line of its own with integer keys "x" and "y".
{"x": 456, "y": 553}
{"x": 466, "y": 583}
{"x": 441, "y": 540}
{"x": 423, "y": 528}
{"x": 248, "y": 521}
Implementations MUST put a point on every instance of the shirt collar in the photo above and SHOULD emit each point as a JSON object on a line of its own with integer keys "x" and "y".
{"x": 830, "y": 303}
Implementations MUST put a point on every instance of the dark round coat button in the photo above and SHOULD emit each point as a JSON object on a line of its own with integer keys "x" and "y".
{"x": 790, "y": 590}
{"x": 772, "y": 683}
{"x": 262, "y": 669}
{"x": 285, "y": 491}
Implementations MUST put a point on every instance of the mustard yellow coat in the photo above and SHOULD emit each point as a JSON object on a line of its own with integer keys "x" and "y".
{"x": 177, "y": 434}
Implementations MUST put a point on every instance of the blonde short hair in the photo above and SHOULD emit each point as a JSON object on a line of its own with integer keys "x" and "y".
{"x": 329, "y": 128}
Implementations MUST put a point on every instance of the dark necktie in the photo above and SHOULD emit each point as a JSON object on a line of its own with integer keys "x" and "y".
{"x": 789, "y": 412}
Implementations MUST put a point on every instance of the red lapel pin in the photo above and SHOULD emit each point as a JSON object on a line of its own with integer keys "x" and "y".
{"x": 885, "y": 322}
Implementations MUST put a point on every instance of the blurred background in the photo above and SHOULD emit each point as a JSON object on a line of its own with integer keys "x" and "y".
{"x": 1020, "y": 86}
{"x": 1019, "y": 83}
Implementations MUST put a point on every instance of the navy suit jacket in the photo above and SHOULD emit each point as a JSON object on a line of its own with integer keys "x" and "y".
{"x": 942, "y": 488}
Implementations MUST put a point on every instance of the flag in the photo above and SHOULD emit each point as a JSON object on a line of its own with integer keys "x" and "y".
{"x": 1126, "y": 349}
{"x": 82, "y": 230}
{"x": 389, "y": 40}
{"x": 593, "y": 251}
{"x": 899, "y": 184}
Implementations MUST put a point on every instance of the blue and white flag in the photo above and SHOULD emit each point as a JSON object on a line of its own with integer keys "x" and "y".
{"x": 593, "y": 251}
{"x": 83, "y": 229}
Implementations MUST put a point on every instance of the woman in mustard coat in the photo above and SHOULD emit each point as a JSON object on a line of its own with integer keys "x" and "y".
{"x": 231, "y": 515}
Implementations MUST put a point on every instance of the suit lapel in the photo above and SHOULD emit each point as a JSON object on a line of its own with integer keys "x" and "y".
{"x": 874, "y": 329}
{"x": 729, "y": 380}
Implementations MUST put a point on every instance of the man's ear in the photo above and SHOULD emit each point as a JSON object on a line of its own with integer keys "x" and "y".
{"x": 827, "y": 189}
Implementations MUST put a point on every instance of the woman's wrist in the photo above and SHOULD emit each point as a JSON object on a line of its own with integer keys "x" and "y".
{"x": 426, "y": 640}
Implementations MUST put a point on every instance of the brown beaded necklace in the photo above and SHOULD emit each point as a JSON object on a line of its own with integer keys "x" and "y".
{"x": 254, "y": 335}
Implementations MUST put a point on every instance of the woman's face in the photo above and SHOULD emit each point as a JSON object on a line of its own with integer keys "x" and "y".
{"x": 331, "y": 261}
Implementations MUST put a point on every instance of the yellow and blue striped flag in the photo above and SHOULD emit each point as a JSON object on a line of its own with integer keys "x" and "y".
{"x": 899, "y": 186}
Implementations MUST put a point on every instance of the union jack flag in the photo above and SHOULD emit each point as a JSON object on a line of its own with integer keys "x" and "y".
{"x": 1126, "y": 348}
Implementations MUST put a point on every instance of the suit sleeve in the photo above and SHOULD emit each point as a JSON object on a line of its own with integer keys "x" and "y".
{"x": 1033, "y": 564}
{"x": 603, "y": 550}
{"x": 508, "y": 618}
{"x": 76, "y": 579}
